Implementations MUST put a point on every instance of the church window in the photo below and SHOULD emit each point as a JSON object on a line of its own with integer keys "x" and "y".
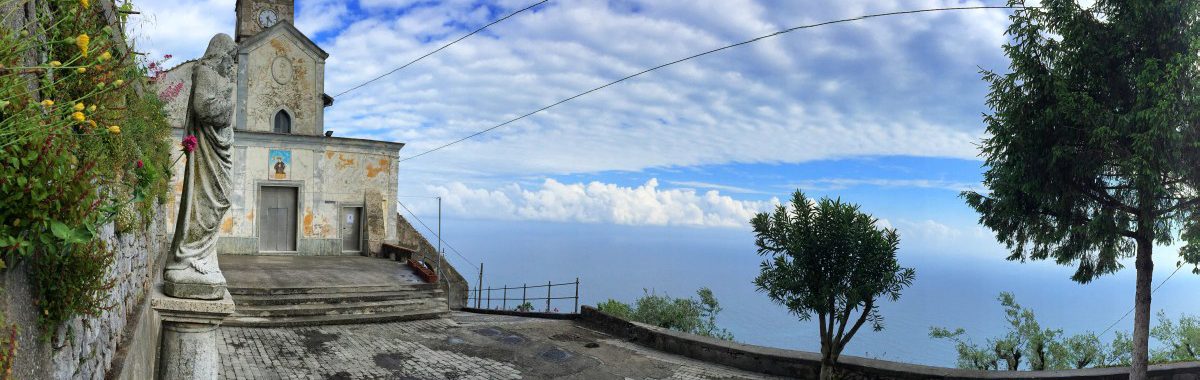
{"x": 283, "y": 122}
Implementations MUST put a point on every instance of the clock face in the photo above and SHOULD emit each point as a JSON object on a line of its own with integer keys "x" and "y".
{"x": 267, "y": 18}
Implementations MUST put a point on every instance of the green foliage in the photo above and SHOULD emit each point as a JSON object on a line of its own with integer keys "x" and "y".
{"x": 1092, "y": 156}
{"x": 1120, "y": 350}
{"x": 828, "y": 258}
{"x": 970, "y": 355}
{"x": 8, "y": 348}
{"x": 73, "y": 129}
{"x": 1049, "y": 349}
{"x": 525, "y": 307}
{"x": 616, "y": 308}
{"x": 1081, "y": 351}
{"x": 1182, "y": 339}
{"x": 687, "y": 315}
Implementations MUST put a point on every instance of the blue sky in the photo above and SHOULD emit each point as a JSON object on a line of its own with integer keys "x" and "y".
{"x": 884, "y": 112}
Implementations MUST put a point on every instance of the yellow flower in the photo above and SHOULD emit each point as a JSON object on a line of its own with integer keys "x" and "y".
{"x": 82, "y": 42}
{"x": 47, "y": 103}
{"x": 92, "y": 123}
{"x": 55, "y": 63}
{"x": 78, "y": 116}
{"x": 116, "y": 130}
{"x": 118, "y": 82}
{"x": 92, "y": 108}
{"x": 81, "y": 70}
{"x": 106, "y": 56}
{"x": 78, "y": 107}
{"x": 84, "y": 3}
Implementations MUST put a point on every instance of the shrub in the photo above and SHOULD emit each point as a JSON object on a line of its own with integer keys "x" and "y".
{"x": 79, "y": 144}
{"x": 687, "y": 315}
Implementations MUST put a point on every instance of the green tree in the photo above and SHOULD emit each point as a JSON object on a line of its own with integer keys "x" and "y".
{"x": 1082, "y": 351}
{"x": 828, "y": 258}
{"x": 1121, "y": 349}
{"x": 970, "y": 355}
{"x": 1182, "y": 340}
{"x": 1092, "y": 156}
{"x": 687, "y": 315}
{"x": 1025, "y": 339}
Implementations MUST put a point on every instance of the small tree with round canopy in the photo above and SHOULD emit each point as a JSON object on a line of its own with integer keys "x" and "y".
{"x": 830, "y": 259}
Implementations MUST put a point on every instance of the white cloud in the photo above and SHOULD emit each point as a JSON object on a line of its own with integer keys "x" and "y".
{"x": 826, "y": 184}
{"x": 706, "y": 185}
{"x": 596, "y": 202}
{"x": 904, "y": 85}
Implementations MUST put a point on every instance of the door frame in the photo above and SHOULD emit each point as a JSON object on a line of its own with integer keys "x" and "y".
{"x": 362, "y": 225}
{"x": 259, "y": 185}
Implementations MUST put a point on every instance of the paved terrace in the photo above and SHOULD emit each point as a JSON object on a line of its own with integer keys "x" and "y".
{"x": 464, "y": 346}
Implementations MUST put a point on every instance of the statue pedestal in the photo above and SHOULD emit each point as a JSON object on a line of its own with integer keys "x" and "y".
{"x": 188, "y": 349}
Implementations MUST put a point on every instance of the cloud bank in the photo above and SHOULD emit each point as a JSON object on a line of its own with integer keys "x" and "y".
{"x": 595, "y": 202}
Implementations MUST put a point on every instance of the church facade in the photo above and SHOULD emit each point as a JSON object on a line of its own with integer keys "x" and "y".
{"x": 295, "y": 190}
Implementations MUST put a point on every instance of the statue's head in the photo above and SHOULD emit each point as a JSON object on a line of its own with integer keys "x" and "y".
{"x": 219, "y": 55}
{"x": 212, "y": 83}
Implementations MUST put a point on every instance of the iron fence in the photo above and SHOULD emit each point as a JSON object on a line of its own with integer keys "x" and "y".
{"x": 483, "y": 296}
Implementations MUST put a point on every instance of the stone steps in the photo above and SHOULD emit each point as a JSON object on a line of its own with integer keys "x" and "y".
{"x": 240, "y": 291}
{"x": 344, "y": 308}
{"x": 331, "y": 298}
{"x": 337, "y": 319}
{"x": 321, "y": 305}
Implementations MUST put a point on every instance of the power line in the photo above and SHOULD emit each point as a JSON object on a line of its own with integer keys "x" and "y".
{"x": 1177, "y": 267}
{"x": 440, "y": 48}
{"x": 422, "y": 222}
{"x": 789, "y": 30}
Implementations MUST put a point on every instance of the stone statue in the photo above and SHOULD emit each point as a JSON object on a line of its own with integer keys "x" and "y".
{"x": 192, "y": 271}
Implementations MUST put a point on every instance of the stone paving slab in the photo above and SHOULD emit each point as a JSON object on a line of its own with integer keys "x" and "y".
{"x": 464, "y": 346}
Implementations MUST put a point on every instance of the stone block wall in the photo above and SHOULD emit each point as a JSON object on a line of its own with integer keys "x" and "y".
{"x": 87, "y": 347}
{"x": 807, "y": 365}
{"x": 412, "y": 239}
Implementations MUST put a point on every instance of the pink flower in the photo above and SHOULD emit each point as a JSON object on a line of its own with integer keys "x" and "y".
{"x": 152, "y": 65}
{"x": 168, "y": 56}
{"x": 189, "y": 143}
{"x": 139, "y": 164}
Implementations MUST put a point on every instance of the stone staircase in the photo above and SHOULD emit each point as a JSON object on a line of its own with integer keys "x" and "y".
{"x": 327, "y": 305}
{"x": 299, "y": 290}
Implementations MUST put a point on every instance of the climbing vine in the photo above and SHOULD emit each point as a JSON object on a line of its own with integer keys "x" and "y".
{"x": 80, "y": 146}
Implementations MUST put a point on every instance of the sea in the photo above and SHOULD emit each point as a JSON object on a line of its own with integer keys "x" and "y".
{"x": 951, "y": 289}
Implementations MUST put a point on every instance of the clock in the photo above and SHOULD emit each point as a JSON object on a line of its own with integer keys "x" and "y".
{"x": 267, "y": 18}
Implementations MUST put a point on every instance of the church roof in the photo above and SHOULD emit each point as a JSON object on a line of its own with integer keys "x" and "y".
{"x": 287, "y": 27}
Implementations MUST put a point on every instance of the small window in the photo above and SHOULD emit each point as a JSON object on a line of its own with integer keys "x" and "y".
{"x": 283, "y": 122}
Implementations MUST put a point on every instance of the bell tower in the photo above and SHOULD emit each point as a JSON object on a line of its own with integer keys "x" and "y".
{"x": 254, "y": 16}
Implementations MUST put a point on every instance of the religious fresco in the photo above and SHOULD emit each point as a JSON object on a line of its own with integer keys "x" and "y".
{"x": 279, "y": 162}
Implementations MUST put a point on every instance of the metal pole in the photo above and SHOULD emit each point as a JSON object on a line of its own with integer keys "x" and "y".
{"x": 489, "y": 301}
{"x": 523, "y": 295}
{"x": 479, "y": 286}
{"x": 442, "y": 255}
{"x": 547, "y": 296}
{"x": 504, "y": 302}
{"x": 576, "y": 295}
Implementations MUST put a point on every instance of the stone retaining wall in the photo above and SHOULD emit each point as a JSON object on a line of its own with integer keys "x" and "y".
{"x": 455, "y": 284}
{"x": 90, "y": 347}
{"x": 806, "y": 365}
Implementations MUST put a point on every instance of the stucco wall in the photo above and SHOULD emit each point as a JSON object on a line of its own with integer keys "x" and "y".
{"x": 281, "y": 72}
{"x": 247, "y": 14}
{"x": 328, "y": 172}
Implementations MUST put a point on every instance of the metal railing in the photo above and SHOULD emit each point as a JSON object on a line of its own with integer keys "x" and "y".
{"x": 483, "y": 296}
